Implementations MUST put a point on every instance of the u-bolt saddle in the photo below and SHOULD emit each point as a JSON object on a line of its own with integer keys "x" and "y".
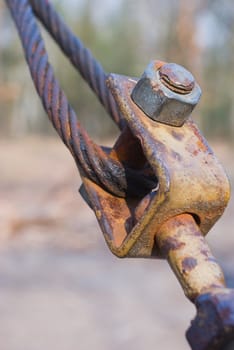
{"x": 191, "y": 194}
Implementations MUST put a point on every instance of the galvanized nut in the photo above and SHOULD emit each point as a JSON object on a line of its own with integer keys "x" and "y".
{"x": 167, "y": 93}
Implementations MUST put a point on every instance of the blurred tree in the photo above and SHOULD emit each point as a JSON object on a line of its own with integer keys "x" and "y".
{"x": 197, "y": 34}
{"x": 218, "y": 72}
{"x": 115, "y": 46}
{"x": 9, "y": 60}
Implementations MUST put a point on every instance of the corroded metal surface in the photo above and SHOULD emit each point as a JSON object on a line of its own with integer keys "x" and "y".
{"x": 172, "y": 219}
{"x": 182, "y": 244}
{"x": 213, "y": 327}
{"x": 167, "y": 93}
{"x": 160, "y": 189}
{"x": 177, "y": 78}
{"x": 202, "y": 280}
{"x": 190, "y": 180}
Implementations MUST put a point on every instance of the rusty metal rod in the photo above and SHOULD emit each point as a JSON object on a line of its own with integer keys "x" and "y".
{"x": 183, "y": 245}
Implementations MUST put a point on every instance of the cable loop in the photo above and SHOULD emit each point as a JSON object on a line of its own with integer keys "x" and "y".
{"x": 92, "y": 161}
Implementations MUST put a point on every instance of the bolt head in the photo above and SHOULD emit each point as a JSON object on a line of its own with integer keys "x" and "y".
{"x": 167, "y": 93}
{"x": 177, "y": 78}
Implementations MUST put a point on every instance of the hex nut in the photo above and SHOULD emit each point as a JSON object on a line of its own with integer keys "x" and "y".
{"x": 166, "y": 94}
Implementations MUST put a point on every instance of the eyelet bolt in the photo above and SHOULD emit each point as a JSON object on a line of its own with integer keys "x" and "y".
{"x": 192, "y": 192}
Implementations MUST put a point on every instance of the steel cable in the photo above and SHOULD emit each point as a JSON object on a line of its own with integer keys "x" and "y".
{"x": 81, "y": 57}
{"x": 91, "y": 159}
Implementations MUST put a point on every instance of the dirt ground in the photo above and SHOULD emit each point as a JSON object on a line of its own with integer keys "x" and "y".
{"x": 60, "y": 287}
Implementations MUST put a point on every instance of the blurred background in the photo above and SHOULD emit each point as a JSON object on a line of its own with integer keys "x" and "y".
{"x": 59, "y": 285}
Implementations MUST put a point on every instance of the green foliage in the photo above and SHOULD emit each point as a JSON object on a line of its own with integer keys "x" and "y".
{"x": 216, "y": 120}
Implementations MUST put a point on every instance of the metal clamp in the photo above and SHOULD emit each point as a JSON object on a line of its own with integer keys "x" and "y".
{"x": 190, "y": 179}
{"x": 192, "y": 192}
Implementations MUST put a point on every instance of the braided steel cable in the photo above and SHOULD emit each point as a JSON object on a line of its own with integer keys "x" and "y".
{"x": 81, "y": 57}
{"x": 91, "y": 159}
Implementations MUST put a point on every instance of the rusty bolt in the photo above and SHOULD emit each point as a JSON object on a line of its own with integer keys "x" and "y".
{"x": 181, "y": 242}
{"x": 213, "y": 327}
{"x": 167, "y": 93}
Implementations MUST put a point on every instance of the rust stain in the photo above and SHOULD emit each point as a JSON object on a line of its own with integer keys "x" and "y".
{"x": 189, "y": 264}
{"x": 158, "y": 64}
{"x": 177, "y": 135}
{"x": 169, "y": 245}
{"x": 176, "y": 155}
